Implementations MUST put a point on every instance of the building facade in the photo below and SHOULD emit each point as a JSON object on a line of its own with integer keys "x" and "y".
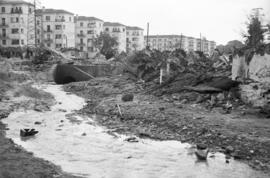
{"x": 172, "y": 42}
{"x": 55, "y": 28}
{"x": 87, "y": 29}
{"x": 17, "y": 27}
{"x": 135, "y": 39}
{"x": 117, "y": 31}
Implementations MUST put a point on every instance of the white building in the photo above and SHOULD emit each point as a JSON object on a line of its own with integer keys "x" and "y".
{"x": 172, "y": 42}
{"x": 118, "y": 31}
{"x": 17, "y": 23}
{"x": 135, "y": 39}
{"x": 55, "y": 28}
{"x": 87, "y": 29}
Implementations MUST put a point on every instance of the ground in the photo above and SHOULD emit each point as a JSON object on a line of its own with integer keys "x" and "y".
{"x": 243, "y": 134}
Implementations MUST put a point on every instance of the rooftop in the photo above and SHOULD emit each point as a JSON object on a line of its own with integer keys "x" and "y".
{"x": 13, "y": 2}
{"x": 53, "y": 11}
{"x": 133, "y": 28}
{"x": 113, "y": 24}
{"x": 84, "y": 18}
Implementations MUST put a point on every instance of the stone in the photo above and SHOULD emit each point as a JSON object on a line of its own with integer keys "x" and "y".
{"x": 201, "y": 146}
{"x": 37, "y": 123}
{"x": 127, "y": 97}
{"x": 132, "y": 139}
{"x": 229, "y": 149}
{"x": 83, "y": 134}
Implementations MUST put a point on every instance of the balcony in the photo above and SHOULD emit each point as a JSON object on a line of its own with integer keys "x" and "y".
{"x": 48, "y": 40}
{"x": 48, "y": 31}
{"x": 3, "y": 25}
{"x": 81, "y": 35}
{"x": 3, "y": 36}
{"x": 60, "y": 20}
{"x": 81, "y": 44}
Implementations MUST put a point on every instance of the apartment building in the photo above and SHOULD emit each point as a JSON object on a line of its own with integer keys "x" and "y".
{"x": 17, "y": 23}
{"x": 55, "y": 28}
{"x": 171, "y": 42}
{"x": 87, "y": 29}
{"x": 135, "y": 39}
{"x": 118, "y": 31}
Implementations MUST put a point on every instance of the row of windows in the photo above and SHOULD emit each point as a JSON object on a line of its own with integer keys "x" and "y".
{"x": 15, "y": 10}
{"x": 59, "y": 19}
{"x": 115, "y": 30}
{"x": 13, "y": 42}
{"x": 91, "y": 24}
{"x": 13, "y": 31}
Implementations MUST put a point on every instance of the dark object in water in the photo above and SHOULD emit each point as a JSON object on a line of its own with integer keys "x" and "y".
{"x": 127, "y": 97}
{"x": 28, "y": 132}
{"x": 201, "y": 152}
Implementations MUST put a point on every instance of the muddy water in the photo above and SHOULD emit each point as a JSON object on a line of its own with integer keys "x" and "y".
{"x": 82, "y": 148}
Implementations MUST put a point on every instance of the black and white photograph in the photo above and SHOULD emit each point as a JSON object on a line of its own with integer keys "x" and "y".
{"x": 135, "y": 89}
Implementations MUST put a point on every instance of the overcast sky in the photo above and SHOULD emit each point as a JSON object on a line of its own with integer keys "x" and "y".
{"x": 218, "y": 20}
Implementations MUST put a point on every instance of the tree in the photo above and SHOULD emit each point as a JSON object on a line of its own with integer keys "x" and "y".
{"x": 107, "y": 45}
{"x": 230, "y": 47}
{"x": 254, "y": 36}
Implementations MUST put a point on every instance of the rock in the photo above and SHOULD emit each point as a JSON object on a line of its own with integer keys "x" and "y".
{"x": 83, "y": 134}
{"x": 62, "y": 121}
{"x": 132, "y": 139}
{"x": 238, "y": 155}
{"x": 227, "y": 161}
{"x": 161, "y": 108}
{"x": 201, "y": 146}
{"x": 229, "y": 149}
{"x": 37, "y": 123}
{"x": 201, "y": 154}
{"x": 62, "y": 110}
{"x": 127, "y": 97}
{"x": 28, "y": 132}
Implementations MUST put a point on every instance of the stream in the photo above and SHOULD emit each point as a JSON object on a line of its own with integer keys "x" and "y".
{"x": 85, "y": 149}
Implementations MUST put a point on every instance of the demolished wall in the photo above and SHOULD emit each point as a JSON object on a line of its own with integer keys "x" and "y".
{"x": 256, "y": 93}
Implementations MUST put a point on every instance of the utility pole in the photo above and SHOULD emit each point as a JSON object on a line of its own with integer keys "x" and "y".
{"x": 200, "y": 42}
{"x": 35, "y": 23}
{"x": 147, "y": 37}
{"x": 181, "y": 41}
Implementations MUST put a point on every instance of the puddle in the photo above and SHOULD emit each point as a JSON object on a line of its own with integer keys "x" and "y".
{"x": 84, "y": 149}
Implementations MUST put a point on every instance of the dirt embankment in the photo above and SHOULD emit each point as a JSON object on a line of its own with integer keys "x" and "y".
{"x": 240, "y": 134}
{"x": 16, "y": 93}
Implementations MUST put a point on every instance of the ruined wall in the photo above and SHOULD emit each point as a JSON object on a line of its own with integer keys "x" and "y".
{"x": 256, "y": 93}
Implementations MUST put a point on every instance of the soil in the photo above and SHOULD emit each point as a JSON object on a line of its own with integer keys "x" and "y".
{"x": 242, "y": 133}
{"x": 15, "y": 162}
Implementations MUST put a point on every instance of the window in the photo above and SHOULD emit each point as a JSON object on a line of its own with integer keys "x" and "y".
{"x": 48, "y": 18}
{"x": 38, "y": 31}
{"x": 81, "y": 24}
{"x": 48, "y": 36}
{"x": 81, "y": 32}
{"x": 81, "y": 48}
{"x": 15, "y": 42}
{"x": 48, "y": 45}
{"x": 81, "y": 41}
{"x": 3, "y": 9}
{"x": 90, "y": 32}
{"x": 58, "y": 27}
{"x": 38, "y": 22}
{"x": 107, "y": 29}
{"x": 30, "y": 10}
{"x": 22, "y": 42}
{"x": 124, "y": 30}
{"x": 4, "y": 42}
{"x": 38, "y": 41}
{"x": 4, "y": 32}
{"x": 22, "y": 31}
{"x": 3, "y": 21}
{"x": 14, "y": 30}
{"x": 58, "y": 36}
{"x": 58, "y": 45}
{"x": 48, "y": 28}
{"x": 70, "y": 19}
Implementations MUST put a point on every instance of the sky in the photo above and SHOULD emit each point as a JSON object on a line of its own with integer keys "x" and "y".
{"x": 217, "y": 20}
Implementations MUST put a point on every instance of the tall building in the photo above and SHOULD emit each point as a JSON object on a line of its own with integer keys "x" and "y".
{"x": 135, "y": 39}
{"x": 87, "y": 29}
{"x": 172, "y": 42}
{"x": 118, "y": 31}
{"x": 55, "y": 28}
{"x": 17, "y": 26}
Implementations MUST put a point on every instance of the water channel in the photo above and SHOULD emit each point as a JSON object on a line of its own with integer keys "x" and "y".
{"x": 85, "y": 149}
